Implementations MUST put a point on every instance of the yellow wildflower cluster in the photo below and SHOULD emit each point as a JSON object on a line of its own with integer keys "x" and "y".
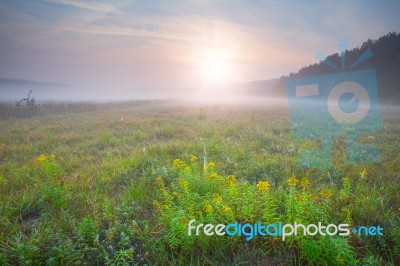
{"x": 184, "y": 184}
{"x": 304, "y": 182}
{"x": 298, "y": 197}
{"x": 41, "y": 158}
{"x": 207, "y": 207}
{"x": 177, "y": 163}
{"x": 231, "y": 180}
{"x": 211, "y": 165}
{"x": 363, "y": 173}
{"x": 263, "y": 186}
{"x": 325, "y": 192}
{"x": 193, "y": 158}
{"x": 164, "y": 192}
{"x": 217, "y": 198}
{"x": 213, "y": 176}
{"x": 226, "y": 209}
{"x": 292, "y": 181}
{"x": 160, "y": 181}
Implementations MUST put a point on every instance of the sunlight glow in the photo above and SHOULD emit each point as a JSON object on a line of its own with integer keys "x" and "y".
{"x": 217, "y": 64}
{"x": 216, "y": 67}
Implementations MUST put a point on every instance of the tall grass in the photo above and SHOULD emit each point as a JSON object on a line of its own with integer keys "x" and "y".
{"x": 86, "y": 184}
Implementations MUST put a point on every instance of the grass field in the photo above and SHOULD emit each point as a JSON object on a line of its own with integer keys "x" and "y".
{"x": 118, "y": 184}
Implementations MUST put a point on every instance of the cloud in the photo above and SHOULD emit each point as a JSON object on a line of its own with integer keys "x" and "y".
{"x": 98, "y": 7}
{"x": 151, "y": 43}
{"x": 123, "y": 31}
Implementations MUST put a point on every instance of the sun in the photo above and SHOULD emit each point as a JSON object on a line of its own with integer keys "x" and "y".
{"x": 216, "y": 64}
{"x": 215, "y": 67}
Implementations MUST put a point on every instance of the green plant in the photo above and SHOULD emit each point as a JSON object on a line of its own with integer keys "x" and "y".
{"x": 327, "y": 251}
{"x": 88, "y": 230}
{"x": 112, "y": 196}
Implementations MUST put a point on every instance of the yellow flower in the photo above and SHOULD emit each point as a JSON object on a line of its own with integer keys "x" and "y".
{"x": 263, "y": 186}
{"x": 163, "y": 191}
{"x": 187, "y": 169}
{"x": 193, "y": 158}
{"x": 226, "y": 209}
{"x": 325, "y": 192}
{"x": 292, "y": 181}
{"x": 231, "y": 179}
{"x": 178, "y": 163}
{"x": 304, "y": 182}
{"x": 160, "y": 181}
{"x": 207, "y": 207}
{"x": 184, "y": 184}
{"x": 52, "y": 157}
{"x": 41, "y": 158}
{"x": 298, "y": 197}
{"x": 363, "y": 173}
{"x": 211, "y": 165}
{"x": 213, "y": 176}
{"x": 217, "y": 198}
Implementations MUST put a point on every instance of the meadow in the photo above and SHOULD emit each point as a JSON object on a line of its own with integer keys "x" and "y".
{"x": 117, "y": 184}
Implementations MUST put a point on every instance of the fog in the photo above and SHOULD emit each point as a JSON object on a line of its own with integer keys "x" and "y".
{"x": 12, "y": 90}
{"x": 199, "y": 52}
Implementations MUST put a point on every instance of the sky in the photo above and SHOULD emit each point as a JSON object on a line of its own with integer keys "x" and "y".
{"x": 132, "y": 46}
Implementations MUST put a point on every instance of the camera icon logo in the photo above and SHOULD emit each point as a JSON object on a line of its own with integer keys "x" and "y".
{"x": 344, "y": 104}
{"x": 358, "y": 92}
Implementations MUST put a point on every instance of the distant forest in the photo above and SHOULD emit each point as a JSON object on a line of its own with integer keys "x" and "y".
{"x": 385, "y": 60}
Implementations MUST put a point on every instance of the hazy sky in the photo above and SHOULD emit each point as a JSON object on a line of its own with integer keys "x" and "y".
{"x": 128, "y": 44}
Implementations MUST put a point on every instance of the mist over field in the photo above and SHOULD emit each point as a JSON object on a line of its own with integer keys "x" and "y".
{"x": 77, "y": 50}
{"x": 259, "y": 92}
